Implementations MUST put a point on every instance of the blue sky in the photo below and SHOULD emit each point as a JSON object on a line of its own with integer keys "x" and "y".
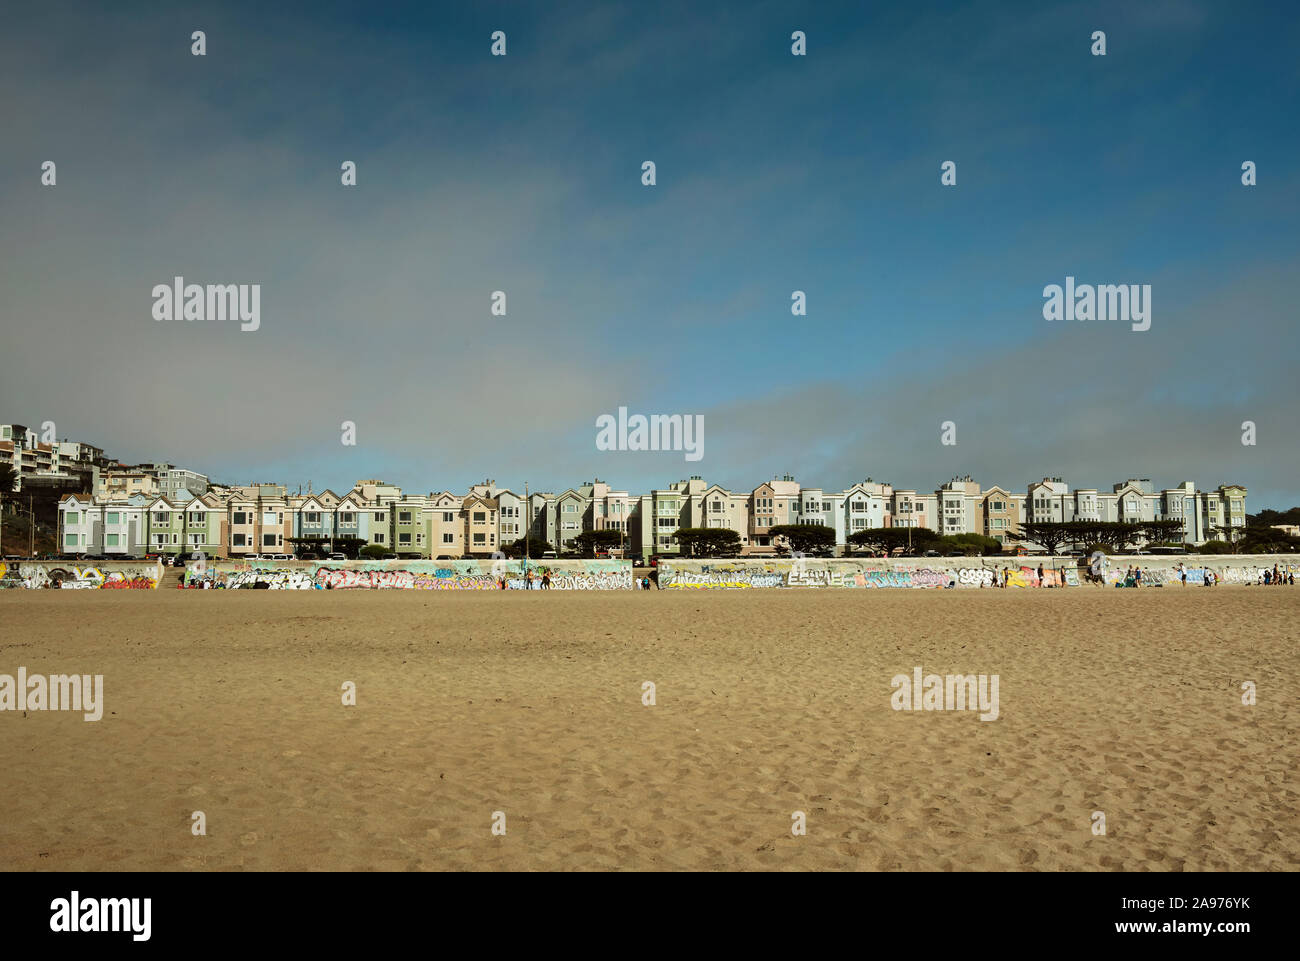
{"x": 775, "y": 173}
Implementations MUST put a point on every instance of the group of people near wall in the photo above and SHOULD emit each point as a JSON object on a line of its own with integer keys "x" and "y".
{"x": 1276, "y": 576}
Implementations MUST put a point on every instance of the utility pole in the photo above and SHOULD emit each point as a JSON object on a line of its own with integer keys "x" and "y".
{"x": 528, "y": 523}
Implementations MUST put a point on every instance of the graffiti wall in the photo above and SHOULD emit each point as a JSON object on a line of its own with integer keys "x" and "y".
{"x": 107, "y": 575}
{"x": 851, "y": 573}
{"x": 464, "y": 575}
{"x": 952, "y": 572}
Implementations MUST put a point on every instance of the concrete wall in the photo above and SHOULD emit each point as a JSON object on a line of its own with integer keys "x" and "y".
{"x": 575, "y": 575}
{"x": 962, "y": 572}
{"x": 104, "y": 575}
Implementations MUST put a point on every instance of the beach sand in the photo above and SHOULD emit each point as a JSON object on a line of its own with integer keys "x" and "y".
{"x": 767, "y": 703}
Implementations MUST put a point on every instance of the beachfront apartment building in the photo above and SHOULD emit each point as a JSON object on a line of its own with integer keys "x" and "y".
{"x": 959, "y": 507}
{"x": 570, "y": 513}
{"x": 541, "y": 516}
{"x": 113, "y": 530}
{"x": 446, "y": 525}
{"x": 909, "y": 508}
{"x": 1000, "y": 512}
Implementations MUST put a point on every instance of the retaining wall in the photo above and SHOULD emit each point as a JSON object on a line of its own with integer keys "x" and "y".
{"x": 957, "y": 572}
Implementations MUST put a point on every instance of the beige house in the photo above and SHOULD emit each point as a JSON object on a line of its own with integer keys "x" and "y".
{"x": 1000, "y": 512}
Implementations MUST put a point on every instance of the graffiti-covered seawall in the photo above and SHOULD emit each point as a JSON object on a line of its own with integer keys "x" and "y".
{"x": 69, "y": 575}
{"x": 464, "y": 575}
{"x": 959, "y": 572}
{"x": 845, "y": 573}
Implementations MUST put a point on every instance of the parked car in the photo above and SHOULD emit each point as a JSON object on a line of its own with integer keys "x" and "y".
{"x": 932, "y": 554}
{"x": 281, "y": 557}
{"x": 337, "y": 557}
{"x": 548, "y": 556}
{"x": 308, "y": 557}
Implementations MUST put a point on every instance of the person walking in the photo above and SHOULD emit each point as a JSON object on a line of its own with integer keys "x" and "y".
{"x": 546, "y": 580}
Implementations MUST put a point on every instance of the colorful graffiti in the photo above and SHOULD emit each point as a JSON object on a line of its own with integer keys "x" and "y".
{"x": 112, "y": 575}
{"x": 472, "y": 575}
{"x": 847, "y": 573}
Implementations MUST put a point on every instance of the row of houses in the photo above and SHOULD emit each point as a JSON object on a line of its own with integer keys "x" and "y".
{"x": 267, "y": 519}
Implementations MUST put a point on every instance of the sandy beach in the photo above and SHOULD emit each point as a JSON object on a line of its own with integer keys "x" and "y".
{"x": 767, "y": 703}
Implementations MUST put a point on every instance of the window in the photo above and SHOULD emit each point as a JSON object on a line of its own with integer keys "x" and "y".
{"x": 313, "y": 517}
{"x": 74, "y": 517}
{"x": 570, "y": 508}
{"x": 380, "y": 517}
{"x": 826, "y": 507}
{"x": 160, "y": 517}
{"x": 70, "y": 540}
{"x": 480, "y": 517}
{"x": 240, "y": 517}
{"x": 196, "y": 540}
{"x": 198, "y": 517}
{"x": 347, "y": 518}
{"x": 404, "y": 538}
{"x": 480, "y": 540}
{"x": 268, "y": 517}
{"x": 379, "y": 538}
{"x": 110, "y": 518}
{"x": 238, "y": 540}
{"x": 448, "y": 517}
{"x": 404, "y": 517}
{"x": 268, "y": 540}
{"x": 448, "y": 538}
{"x": 112, "y": 540}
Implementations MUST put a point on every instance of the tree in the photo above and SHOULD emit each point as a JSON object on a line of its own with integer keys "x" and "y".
{"x": 1161, "y": 532}
{"x": 349, "y": 547}
{"x": 374, "y": 551}
{"x": 536, "y": 548}
{"x": 308, "y": 545}
{"x": 805, "y": 538}
{"x": 888, "y": 539}
{"x": 1266, "y": 540}
{"x": 1215, "y": 547}
{"x": 1048, "y": 534}
{"x": 973, "y": 545}
{"x": 588, "y": 542}
{"x": 707, "y": 541}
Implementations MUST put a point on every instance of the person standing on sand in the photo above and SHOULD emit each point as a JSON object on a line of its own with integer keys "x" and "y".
{"x": 546, "y": 580}
{"x": 528, "y": 580}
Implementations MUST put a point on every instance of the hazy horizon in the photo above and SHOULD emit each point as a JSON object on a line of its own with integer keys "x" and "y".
{"x": 775, "y": 173}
